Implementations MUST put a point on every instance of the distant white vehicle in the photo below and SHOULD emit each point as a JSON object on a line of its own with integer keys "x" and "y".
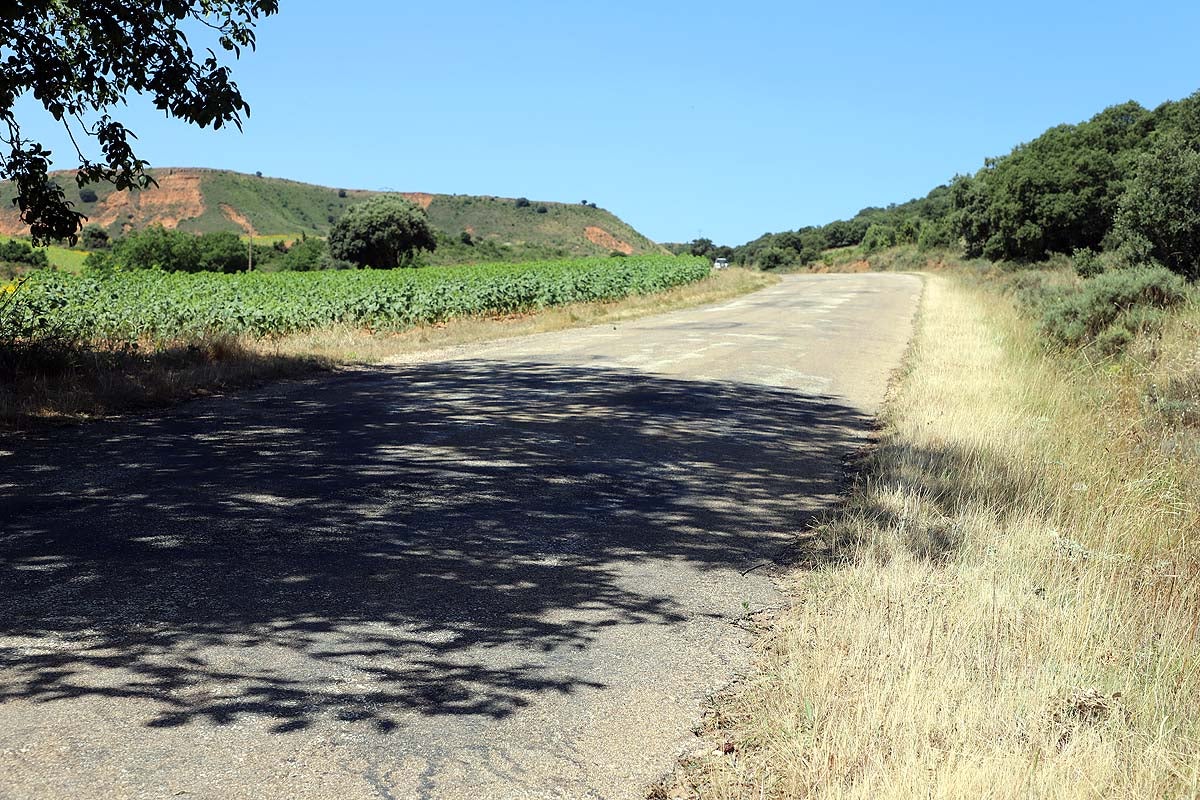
{"x": 721, "y": 263}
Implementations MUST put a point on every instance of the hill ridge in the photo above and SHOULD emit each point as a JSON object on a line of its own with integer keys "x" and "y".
{"x": 205, "y": 199}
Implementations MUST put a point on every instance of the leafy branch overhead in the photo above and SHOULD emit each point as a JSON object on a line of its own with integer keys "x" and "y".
{"x": 82, "y": 58}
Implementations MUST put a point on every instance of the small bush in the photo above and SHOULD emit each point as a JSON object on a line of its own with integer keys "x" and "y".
{"x": 15, "y": 251}
{"x": 878, "y": 237}
{"x": 523, "y": 202}
{"x": 93, "y": 237}
{"x": 541, "y": 209}
{"x": 342, "y": 193}
{"x": 305, "y": 255}
{"x": 88, "y": 195}
{"x": 1036, "y": 290}
{"x": 1114, "y": 307}
{"x": 1086, "y": 263}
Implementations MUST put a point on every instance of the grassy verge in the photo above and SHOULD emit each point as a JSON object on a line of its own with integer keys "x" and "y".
{"x": 42, "y": 384}
{"x": 1008, "y": 603}
{"x": 63, "y": 258}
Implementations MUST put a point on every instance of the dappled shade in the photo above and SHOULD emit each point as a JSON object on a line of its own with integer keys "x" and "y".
{"x": 436, "y": 539}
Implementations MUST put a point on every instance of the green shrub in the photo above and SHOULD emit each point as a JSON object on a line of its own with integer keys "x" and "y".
{"x": 93, "y": 237}
{"x": 1112, "y": 308}
{"x": 935, "y": 235}
{"x": 523, "y": 202}
{"x": 14, "y": 251}
{"x": 1086, "y": 262}
{"x": 878, "y": 237}
{"x": 1036, "y": 290}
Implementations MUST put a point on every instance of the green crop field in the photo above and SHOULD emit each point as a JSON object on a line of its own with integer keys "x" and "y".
{"x": 159, "y": 306}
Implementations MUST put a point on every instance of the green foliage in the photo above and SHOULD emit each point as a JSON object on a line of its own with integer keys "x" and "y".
{"x": 223, "y": 251}
{"x": 523, "y": 202}
{"x": 1062, "y": 191}
{"x": 14, "y": 251}
{"x": 174, "y": 251}
{"x": 79, "y": 57}
{"x": 542, "y": 210}
{"x": 382, "y": 232}
{"x": 277, "y": 207}
{"x": 775, "y": 258}
{"x": 878, "y": 237}
{"x": 93, "y": 237}
{"x": 88, "y": 195}
{"x": 810, "y": 242}
{"x": 308, "y": 255}
{"x": 935, "y": 235}
{"x": 1109, "y": 310}
{"x": 1160, "y": 210}
{"x": 1086, "y": 263}
{"x": 122, "y": 305}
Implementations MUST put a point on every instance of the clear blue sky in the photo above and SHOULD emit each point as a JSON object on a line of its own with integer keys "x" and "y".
{"x": 723, "y": 120}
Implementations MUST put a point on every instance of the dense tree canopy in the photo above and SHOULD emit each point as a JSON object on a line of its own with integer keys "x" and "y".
{"x": 1159, "y": 213}
{"x": 81, "y": 58}
{"x": 1126, "y": 180}
{"x": 382, "y": 232}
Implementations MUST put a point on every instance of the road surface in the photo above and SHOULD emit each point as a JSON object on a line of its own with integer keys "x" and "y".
{"x": 508, "y": 571}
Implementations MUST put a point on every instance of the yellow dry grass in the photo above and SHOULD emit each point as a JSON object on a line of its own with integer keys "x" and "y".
{"x": 1006, "y": 607}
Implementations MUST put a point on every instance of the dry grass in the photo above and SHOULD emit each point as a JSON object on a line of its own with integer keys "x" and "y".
{"x": 46, "y": 384}
{"x": 1006, "y": 607}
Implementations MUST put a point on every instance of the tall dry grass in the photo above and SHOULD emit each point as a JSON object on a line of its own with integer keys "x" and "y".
{"x": 1007, "y": 606}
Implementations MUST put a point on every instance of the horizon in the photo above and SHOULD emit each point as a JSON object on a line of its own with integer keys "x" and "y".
{"x": 657, "y": 115}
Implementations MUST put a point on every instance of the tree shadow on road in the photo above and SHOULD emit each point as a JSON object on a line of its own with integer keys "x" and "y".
{"x": 436, "y": 540}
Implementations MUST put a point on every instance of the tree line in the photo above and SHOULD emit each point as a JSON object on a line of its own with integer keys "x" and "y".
{"x": 1125, "y": 183}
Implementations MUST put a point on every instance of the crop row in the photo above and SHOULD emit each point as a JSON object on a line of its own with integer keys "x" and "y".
{"x": 134, "y": 305}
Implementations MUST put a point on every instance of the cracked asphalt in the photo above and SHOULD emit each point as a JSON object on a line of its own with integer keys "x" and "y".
{"x": 506, "y": 571}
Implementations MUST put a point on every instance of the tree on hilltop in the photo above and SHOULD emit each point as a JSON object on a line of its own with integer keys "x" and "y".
{"x": 80, "y": 58}
{"x": 382, "y": 232}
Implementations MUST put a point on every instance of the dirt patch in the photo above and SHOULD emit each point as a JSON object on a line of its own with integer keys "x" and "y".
{"x": 605, "y": 239}
{"x": 176, "y": 198}
{"x": 420, "y": 198}
{"x": 238, "y": 218}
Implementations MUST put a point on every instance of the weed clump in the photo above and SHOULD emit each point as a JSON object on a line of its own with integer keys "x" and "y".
{"x": 1111, "y": 309}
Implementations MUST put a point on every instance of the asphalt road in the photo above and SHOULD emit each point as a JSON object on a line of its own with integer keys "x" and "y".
{"x": 509, "y": 571}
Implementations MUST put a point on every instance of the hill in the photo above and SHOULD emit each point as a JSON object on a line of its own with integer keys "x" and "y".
{"x": 204, "y": 200}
